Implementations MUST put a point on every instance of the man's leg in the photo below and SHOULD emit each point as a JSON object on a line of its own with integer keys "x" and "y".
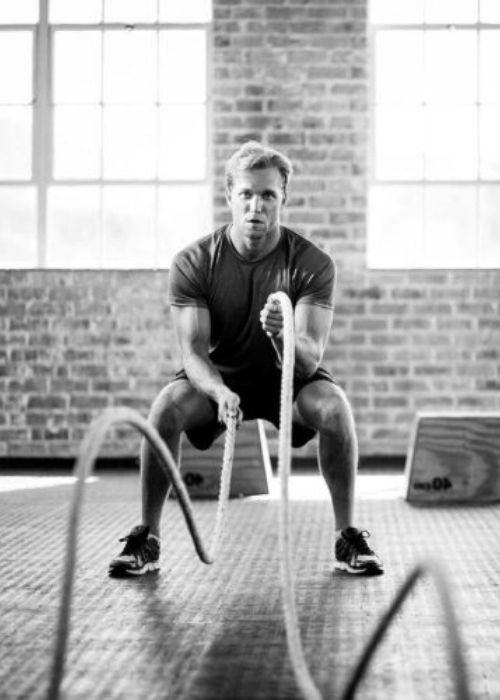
{"x": 177, "y": 408}
{"x": 323, "y": 406}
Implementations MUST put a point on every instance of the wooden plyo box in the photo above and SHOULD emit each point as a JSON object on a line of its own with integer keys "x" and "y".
{"x": 454, "y": 457}
{"x": 251, "y": 473}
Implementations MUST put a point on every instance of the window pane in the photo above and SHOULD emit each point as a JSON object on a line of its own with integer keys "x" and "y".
{"x": 130, "y": 66}
{"x": 77, "y": 67}
{"x": 129, "y": 227}
{"x": 129, "y": 142}
{"x": 184, "y": 215}
{"x": 77, "y": 142}
{"x": 451, "y": 11}
{"x": 451, "y": 66}
{"x": 490, "y": 11}
{"x": 19, "y": 12}
{"x": 395, "y": 226}
{"x": 397, "y": 12}
{"x": 401, "y": 80}
{"x": 186, "y": 49}
{"x": 15, "y": 142}
{"x": 183, "y": 143}
{"x": 18, "y": 247}
{"x": 73, "y": 239}
{"x": 490, "y": 143}
{"x": 398, "y": 143}
{"x": 489, "y": 216}
{"x": 489, "y": 62}
{"x": 450, "y": 226}
{"x": 16, "y": 55}
{"x": 129, "y": 11}
{"x": 192, "y": 11}
{"x": 75, "y": 11}
{"x": 450, "y": 143}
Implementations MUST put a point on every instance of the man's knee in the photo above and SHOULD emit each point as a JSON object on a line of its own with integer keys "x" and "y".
{"x": 164, "y": 415}
{"x": 341, "y": 419}
{"x": 326, "y": 407}
{"x": 179, "y": 406}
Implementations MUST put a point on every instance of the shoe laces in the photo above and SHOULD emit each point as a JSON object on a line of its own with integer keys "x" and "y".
{"x": 135, "y": 540}
{"x": 358, "y": 539}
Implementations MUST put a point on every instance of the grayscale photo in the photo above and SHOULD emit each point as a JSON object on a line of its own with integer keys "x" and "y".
{"x": 249, "y": 349}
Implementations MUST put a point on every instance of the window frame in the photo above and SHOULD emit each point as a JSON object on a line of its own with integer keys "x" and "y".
{"x": 43, "y": 118}
{"x": 425, "y": 182}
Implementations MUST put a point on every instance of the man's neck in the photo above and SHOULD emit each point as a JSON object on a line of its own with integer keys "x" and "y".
{"x": 256, "y": 253}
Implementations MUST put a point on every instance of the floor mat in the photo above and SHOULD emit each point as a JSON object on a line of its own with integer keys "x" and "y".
{"x": 194, "y": 632}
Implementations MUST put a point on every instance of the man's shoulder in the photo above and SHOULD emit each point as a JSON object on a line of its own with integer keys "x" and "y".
{"x": 201, "y": 248}
{"x": 191, "y": 270}
{"x": 304, "y": 249}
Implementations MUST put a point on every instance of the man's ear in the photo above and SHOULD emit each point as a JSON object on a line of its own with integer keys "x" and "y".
{"x": 228, "y": 195}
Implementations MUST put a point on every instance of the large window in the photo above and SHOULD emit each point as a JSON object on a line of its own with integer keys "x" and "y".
{"x": 434, "y": 195}
{"x": 103, "y": 132}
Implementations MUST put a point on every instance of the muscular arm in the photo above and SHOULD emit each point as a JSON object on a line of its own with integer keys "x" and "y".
{"x": 312, "y": 329}
{"x": 192, "y": 328}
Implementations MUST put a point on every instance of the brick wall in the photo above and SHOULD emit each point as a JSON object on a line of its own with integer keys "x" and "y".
{"x": 72, "y": 344}
{"x": 294, "y": 74}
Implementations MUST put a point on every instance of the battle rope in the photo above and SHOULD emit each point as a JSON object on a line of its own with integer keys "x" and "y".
{"x": 302, "y": 675}
{"x": 83, "y": 469}
{"x": 454, "y": 642}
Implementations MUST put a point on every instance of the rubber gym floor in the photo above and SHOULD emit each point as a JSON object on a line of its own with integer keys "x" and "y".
{"x": 194, "y": 632}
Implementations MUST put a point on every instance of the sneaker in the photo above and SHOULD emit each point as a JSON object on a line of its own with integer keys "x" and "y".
{"x": 140, "y": 554}
{"x": 353, "y": 555}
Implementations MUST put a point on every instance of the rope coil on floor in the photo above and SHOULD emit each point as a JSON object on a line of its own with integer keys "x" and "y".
{"x": 83, "y": 469}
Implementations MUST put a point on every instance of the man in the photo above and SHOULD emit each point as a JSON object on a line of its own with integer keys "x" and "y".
{"x": 231, "y": 339}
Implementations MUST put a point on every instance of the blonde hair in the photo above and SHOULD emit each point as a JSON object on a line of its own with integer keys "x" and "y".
{"x": 253, "y": 155}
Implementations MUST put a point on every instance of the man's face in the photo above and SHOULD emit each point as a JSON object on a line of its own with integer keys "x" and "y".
{"x": 256, "y": 199}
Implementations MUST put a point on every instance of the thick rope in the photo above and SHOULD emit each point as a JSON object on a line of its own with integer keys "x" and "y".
{"x": 457, "y": 659}
{"x": 83, "y": 469}
{"x": 302, "y": 674}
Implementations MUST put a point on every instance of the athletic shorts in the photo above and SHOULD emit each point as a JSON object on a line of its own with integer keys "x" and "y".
{"x": 260, "y": 400}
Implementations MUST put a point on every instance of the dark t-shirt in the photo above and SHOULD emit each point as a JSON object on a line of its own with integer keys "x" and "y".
{"x": 211, "y": 273}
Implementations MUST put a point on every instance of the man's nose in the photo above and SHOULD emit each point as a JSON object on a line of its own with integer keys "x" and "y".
{"x": 256, "y": 203}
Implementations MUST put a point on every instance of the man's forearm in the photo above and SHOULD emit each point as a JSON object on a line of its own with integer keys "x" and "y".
{"x": 205, "y": 377}
{"x": 203, "y": 374}
{"x": 306, "y": 357}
